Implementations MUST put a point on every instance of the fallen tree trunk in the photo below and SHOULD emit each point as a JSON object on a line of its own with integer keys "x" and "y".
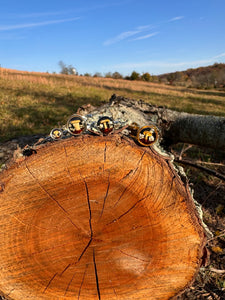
{"x": 97, "y": 218}
{"x": 205, "y": 131}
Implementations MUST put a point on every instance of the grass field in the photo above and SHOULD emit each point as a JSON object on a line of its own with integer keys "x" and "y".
{"x": 32, "y": 103}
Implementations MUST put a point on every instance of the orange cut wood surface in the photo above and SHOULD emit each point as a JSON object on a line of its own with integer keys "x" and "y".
{"x": 96, "y": 218}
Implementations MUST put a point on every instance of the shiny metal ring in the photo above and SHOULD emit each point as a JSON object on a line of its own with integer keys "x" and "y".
{"x": 56, "y": 134}
{"x": 147, "y": 135}
{"x": 76, "y": 125}
{"x": 105, "y": 125}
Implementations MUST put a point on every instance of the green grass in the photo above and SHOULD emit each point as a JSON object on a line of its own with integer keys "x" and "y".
{"x": 33, "y": 103}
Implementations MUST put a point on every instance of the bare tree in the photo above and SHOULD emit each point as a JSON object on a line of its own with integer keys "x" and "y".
{"x": 67, "y": 69}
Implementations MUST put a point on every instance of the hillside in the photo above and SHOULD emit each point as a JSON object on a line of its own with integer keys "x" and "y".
{"x": 203, "y": 77}
{"x": 32, "y": 103}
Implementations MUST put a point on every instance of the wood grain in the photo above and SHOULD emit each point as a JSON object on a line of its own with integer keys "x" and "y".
{"x": 96, "y": 218}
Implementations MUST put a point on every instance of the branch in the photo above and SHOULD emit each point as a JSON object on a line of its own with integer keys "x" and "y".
{"x": 217, "y": 271}
{"x": 192, "y": 164}
{"x": 206, "y": 131}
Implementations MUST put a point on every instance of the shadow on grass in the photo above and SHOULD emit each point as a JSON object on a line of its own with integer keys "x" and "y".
{"x": 170, "y": 97}
{"x": 96, "y": 99}
{"x": 216, "y": 93}
{"x": 65, "y": 99}
{"x": 193, "y": 90}
{"x": 40, "y": 118}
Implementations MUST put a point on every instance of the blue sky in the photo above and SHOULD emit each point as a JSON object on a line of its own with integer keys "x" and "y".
{"x": 119, "y": 35}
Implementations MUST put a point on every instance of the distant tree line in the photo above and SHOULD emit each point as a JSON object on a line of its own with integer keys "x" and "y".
{"x": 203, "y": 77}
{"x": 133, "y": 76}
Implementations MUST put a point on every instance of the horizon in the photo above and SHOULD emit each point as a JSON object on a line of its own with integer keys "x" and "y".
{"x": 123, "y": 36}
{"x": 105, "y": 74}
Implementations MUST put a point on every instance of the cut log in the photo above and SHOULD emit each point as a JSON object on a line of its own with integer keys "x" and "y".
{"x": 97, "y": 218}
{"x": 176, "y": 127}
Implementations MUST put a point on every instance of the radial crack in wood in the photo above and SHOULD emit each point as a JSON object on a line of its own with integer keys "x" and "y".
{"x": 97, "y": 218}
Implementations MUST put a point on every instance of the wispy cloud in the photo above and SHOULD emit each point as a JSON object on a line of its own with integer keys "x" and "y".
{"x": 143, "y": 37}
{"x": 176, "y": 18}
{"x": 71, "y": 11}
{"x": 145, "y": 27}
{"x": 37, "y": 24}
{"x": 121, "y": 37}
{"x": 220, "y": 55}
{"x": 127, "y": 34}
{"x": 41, "y": 14}
{"x": 140, "y": 29}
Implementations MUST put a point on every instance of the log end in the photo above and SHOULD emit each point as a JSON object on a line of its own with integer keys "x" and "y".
{"x": 96, "y": 218}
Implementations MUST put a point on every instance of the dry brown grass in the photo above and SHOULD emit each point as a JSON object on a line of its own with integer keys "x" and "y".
{"x": 32, "y": 102}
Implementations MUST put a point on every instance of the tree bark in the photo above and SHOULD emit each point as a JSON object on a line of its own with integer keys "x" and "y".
{"x": 205, "y": 131}
{"x": 97, "y": 218}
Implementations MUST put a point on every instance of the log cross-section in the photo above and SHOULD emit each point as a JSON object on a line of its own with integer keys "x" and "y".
{"x": 96, "y": 218}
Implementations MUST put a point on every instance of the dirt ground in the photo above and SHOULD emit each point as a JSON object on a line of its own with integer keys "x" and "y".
{"x": 209, "y": 191}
